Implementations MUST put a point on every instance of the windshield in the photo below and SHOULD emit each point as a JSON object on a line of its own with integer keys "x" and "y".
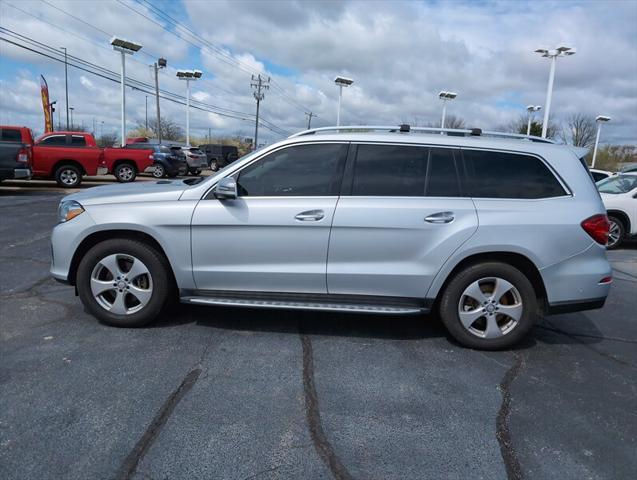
{"x": 618, "y": 184}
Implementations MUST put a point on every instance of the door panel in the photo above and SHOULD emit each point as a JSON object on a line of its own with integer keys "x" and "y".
{"x": 258, "y": 244}
{"x": 384, "y": 245}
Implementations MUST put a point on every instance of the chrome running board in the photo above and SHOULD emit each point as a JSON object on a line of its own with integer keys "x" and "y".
{"x": 327, "y": 305}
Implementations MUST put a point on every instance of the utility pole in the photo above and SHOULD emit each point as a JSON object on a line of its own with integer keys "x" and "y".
{"x": 161, "y": 63}
{"x": 146, "y": 114}
{"x": 259, "y": 84}
{"x": 209, "y": 136}
{"x": 72, "y": 124}
{"x": 66, "y": 86}
{"x": 309, "y": 119}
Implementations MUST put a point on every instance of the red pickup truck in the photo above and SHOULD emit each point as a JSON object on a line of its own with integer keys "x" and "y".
{"x": 67, "y": 156}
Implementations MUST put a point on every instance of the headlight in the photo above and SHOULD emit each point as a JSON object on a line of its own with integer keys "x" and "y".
{"x": 68, "y": 210}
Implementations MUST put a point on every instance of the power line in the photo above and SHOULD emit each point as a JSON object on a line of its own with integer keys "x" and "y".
{"x": 145, "y": 88}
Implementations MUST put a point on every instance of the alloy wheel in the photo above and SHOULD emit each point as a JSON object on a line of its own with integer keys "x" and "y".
{"x": 121, "y": 284}
{"x": 125, "y": 173}
{"x": 68, "y": 176}
{"x": 614, "y": 234}
{"x": 490, "y": 307}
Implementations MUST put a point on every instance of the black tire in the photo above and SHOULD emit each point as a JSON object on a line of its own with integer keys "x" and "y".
{"x": 160, "y": 171}
{"x": 125, "y": 172}
{"x": 194, "y": 171}
{"x": 453, "y": 294}
{"x": 160, "y": 281}
{"x": 172, "y": 175}
{"x": 214, "y": 165}
{"x": 68, "y": 176}
{"x": 616, "y": 223}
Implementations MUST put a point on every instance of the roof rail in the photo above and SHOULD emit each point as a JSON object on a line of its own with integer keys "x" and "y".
{"x": 456, "y": 132}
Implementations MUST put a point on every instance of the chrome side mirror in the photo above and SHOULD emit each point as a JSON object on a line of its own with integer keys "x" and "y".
{"x": 226, "y": 189}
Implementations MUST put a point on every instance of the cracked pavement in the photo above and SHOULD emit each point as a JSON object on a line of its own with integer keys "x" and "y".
{"x": 257, "y": 394}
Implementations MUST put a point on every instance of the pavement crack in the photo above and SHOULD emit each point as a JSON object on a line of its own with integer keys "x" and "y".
{"x": 313, "y": 415}
{"x": 129, "y": 466}
{"x": 503, "y": 433}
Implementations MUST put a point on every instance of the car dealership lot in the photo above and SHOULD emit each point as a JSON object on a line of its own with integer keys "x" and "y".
{"x": 234, "y": 393}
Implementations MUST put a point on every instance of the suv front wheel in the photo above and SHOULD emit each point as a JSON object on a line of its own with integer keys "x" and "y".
{"x": 122, "y": 282}
{"x": 489, "y": 306}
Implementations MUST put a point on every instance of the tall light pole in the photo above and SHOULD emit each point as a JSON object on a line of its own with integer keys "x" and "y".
{"x": 260, "y": 84}
{"x": 125, "y": 48}
{"x": 161, "y": 63}
{"x": 146, "y": 114}
{"x": 445, "y": 97}
{"x": 600, "y": 119}
{"x": 188, "y": 75}
{"x": 66, "y": 85}
{"x": 531, "y": 109}
{"x": 552, "y": 55}
{"x": 341, "y": 82}
{"x": 72, "y": 124}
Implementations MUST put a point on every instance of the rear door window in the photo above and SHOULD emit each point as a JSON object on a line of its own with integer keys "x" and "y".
{"x": 442, "y": 174}
{"x": 390, "y": 171}
{"x": 509, "y": 175}
{"x": 78, "y": 141}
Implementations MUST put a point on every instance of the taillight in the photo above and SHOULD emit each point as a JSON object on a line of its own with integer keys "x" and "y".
{"x": 23, "y": 155}
{"x": 151, "y": 157}
{"x": 597, "y": 227}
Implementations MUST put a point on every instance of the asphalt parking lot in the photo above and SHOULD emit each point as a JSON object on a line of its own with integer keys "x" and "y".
{"x": 256, "y": 394}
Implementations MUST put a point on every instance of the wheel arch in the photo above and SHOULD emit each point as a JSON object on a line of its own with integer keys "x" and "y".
{"x": 61, "y": 163}
{"x": 517, "y": 260}
{"x": 621, "y": 216}
{"x": 97, "y": 237}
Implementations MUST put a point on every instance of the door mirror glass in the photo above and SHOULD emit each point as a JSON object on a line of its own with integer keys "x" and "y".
{"x": 226, "y": 189}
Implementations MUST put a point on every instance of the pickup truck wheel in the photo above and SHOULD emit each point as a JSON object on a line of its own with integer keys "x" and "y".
{"x": 124, "y": 283}
{"x": 489, "y": 306}
{"x": 68, "y": 176}
{"x": 159, "y": 171}
{"x": 125, "y": 172}
{"x": 195, "y": 171}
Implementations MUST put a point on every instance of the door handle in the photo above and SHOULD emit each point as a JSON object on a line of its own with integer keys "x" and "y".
{"x": 440, "y": 217}
{"x": 310, "y": 216}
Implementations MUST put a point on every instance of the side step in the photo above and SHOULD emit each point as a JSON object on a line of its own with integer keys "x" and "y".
{"x": 329, "y": 306}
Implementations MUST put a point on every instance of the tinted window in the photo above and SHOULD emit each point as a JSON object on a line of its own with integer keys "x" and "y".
{"x": 303, "y": 170}
{"x": 10, "y": 135}
{"x": 390, "y": 170}
{"x": 597, "y": 176}
{"x": 507, "y": 175}
{"x": 54, "y": 140}
{"x": 78, "y": 141}
{"x": 442, "y": 177}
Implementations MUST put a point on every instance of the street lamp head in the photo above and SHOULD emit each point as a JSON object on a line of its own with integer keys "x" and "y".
{"x": 189, "y": 74}
{"x": 343, "y": 81}
{"x": 197, "y": 73}
{"x": 533, "y": 108}
{"x": 570, "y": 51}
{"x": 444, "y": 95}
{"x": 162, "y": 62}
{"x": 602, "y": 118}
{"x": 126, "y": 46}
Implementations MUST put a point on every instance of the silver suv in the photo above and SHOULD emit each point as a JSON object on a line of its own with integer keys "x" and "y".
{"x": 487, "y": 232}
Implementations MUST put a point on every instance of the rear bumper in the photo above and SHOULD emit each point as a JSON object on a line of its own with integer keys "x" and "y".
{"x": 24, "y": 173}
{"x": 575, "y": 306}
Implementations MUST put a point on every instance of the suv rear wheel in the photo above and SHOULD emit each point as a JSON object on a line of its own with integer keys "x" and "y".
{"x": 160, "y": 171}
{"x": 122, "y": 282}
{"x": 125, "y": 172}
{"x": 68, "y": 176}
{"x": 489, "y": 306}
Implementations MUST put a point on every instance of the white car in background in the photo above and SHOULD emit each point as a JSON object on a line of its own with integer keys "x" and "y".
{"x": 619, "y": 194}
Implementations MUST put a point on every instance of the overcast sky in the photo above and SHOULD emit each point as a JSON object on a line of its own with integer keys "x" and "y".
{"x": 400, "y": 54}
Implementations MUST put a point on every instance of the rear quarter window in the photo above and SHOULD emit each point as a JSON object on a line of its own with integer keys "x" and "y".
{"x": 509, "y": 175}
{"x": 10, "y": 135}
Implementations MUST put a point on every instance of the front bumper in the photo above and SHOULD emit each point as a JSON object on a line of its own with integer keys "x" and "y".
{"x": 65, "y": 239}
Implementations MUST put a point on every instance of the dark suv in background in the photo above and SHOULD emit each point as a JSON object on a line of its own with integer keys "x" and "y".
{"x": 219, "y": 155}
{"x": 169, "y": 160}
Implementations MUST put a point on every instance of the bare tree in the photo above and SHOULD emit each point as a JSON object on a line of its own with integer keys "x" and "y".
{"x": 451, "y": 121}
{"x": 107, "y": 140}
{"x": 170, "y": 130}
{"x": 580, "y": 130}
{"x": 520, "y": 124}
